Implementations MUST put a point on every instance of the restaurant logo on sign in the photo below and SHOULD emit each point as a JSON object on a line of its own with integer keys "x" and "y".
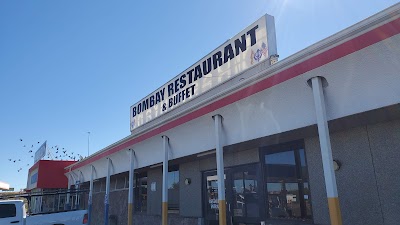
{"x": 251, "y": 46}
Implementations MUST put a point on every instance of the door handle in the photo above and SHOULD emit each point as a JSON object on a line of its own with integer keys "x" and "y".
{"x": 17, "y": 221}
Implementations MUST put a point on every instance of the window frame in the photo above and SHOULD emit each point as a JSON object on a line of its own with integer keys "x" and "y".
{"x": 174, "y": 208}
{"x": 302, "y": 178}
{"x": 136, "y": 191}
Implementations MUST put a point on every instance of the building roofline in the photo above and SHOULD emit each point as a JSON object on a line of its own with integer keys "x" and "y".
{"x": 369, "y": 31}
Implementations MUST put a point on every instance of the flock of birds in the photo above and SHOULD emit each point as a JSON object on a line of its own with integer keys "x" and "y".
{"x": 53, "y": 153}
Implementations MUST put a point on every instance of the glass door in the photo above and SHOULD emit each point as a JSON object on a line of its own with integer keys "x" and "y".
{"x": 243, "y": 196}
{"x": 211, "y": 206}
{"x": 288, "y": 195}
{"x": 242, "y": 192}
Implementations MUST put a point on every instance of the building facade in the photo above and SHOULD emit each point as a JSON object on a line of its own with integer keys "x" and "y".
{"x": 47, "y": 186}
{"x": 279, "y": 165}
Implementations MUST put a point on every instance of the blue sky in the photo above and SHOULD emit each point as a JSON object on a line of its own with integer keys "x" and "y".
{"x": 69, "y": 67}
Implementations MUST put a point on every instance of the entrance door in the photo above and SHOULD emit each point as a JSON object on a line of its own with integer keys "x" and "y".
{"x": 242, "y": 196}
{"x": 287, "y": 182}
{"x": 211, "y": 206}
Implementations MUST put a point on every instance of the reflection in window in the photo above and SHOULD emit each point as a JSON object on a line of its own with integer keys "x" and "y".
{"x": 99, "y": 185}
{"x": 239, "y": 208}
{"x": 96, "y": 186}
{"x": 117, "y": 181}
{"x": 173, "y": 188}
{"x": 283, "y": 200}
{"x": 281, "y": 158}
{"x": 281, "y": 164}
{"x": 212, "y": 197}
{"x": 121, "y": 180}
{"x": 173, "y": 179}
{"x": 287, "y": 183}
{"x": 141, "y": 192}
{"x": 245, "y": 193}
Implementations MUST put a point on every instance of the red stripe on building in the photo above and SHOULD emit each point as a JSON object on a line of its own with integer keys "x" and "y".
{"x": 369, "y": 38}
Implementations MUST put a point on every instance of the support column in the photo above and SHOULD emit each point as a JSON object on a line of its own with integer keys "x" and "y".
{"x": 90, "y": 200}
{"x": 77, "y": 188}
{"x": 165, "y": 182}
{"x": 326, "y": 152}
{"x": 220, "y": 169}
{"x": 130, "y": 192}
{"x": 76, "y": 196}
{"x": 107, "y": 195}
{"x": 67, "y": 205}
{"x": 74, "y": 191}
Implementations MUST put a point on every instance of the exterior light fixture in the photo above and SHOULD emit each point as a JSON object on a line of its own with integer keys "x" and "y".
{"x": 336, "y": 164}
{"x": 188, "y": 181}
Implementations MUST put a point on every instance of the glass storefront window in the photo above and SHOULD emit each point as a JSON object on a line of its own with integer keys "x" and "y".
{"x": 283, "y": 200}
{"x": 286, "y": 179}
{"x": 173, "y": 179}
{"x": 121, "y": 181}
{"x": 239, "y": 207}
{"x": 251, "y": 194}
{"x": 141, "y": 193}
{"x": 173, "y": 188}
{"x": 281, "y": 164}
{"x": 243, "y": 200}
{"x": 96, "y": 186}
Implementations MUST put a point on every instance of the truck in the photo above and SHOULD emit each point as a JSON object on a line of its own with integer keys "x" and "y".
{"x": 14, "y": 212}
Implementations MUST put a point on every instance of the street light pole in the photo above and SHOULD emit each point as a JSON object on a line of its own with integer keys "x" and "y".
{"x": 88, "y": 143}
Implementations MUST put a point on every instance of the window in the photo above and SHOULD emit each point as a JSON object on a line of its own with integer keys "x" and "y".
{"x": 245, "y": 202}
{"x": 173, "y": 180}
{"x": 126, "y": 185}
{"x": 113, "y": 183}
{"x": 173, "y": 188}
{"x": 97, "y": 185}
{"x": 117, "y": 181}
{"x": 141, "y": 192}
{"x": 103, "y": 184}
{"x": 121, "y": 180}
{"x": 286, "y": 177}
{"x": 7, "y": 210}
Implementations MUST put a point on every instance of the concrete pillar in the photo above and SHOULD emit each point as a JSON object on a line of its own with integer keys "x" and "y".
{"x": 326, "y": 151}
{"x": 107, "y": 195}
{"x": 165, "y": 182}
{"x": 67, "y": 205}
{"x": 90, "y": 200}
{"x": 77, "y": 189}
{"x": 220, "y": 169}
{"x": 131, "y": 181}
{"x": 74, "y": 191}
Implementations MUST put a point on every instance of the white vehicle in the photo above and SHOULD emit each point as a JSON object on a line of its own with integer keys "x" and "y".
{"x": 14, "y": 212}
